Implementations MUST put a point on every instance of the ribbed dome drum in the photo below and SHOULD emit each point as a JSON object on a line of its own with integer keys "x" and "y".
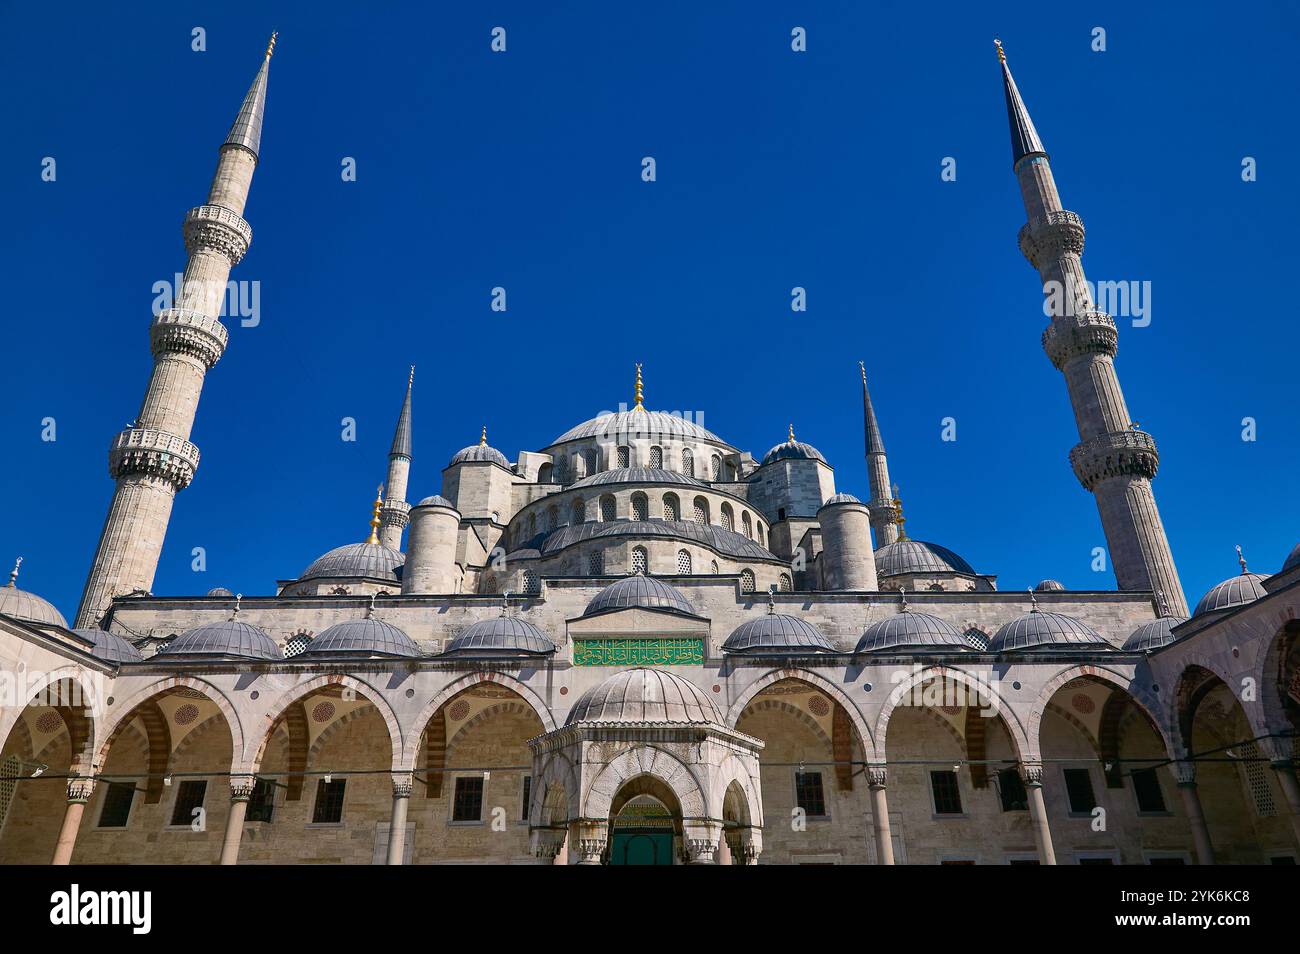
{"x": 1237, "y": 591}
{"x": 504, "y": 635}
{"x": 638, "y": 422}
{"x": 362, "y": 637}
{"x": 227, "y": 638}
{"x": 480, "y": 452}
{"x": 779, "y": 633}
{"x": 644, "y": 695}
{"x": 1037, "y": 630}
{"x": 644, "y": 592}
{"x": 910, "y": 630}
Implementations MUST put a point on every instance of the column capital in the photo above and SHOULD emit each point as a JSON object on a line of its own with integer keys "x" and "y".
{"x": 80, "y": 789}
{"x": 877, "y": 776}
{"x": 701, "y": 851}
{"x": 1031, "y": 773}
{"x": 241, "y": 787}
{"x": 591, "y": 851}
{"x": 1185, "y": 774}
{"x": 403, "y": 784}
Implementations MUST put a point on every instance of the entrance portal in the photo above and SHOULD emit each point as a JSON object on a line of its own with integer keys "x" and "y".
{"x": 642, "y": 833}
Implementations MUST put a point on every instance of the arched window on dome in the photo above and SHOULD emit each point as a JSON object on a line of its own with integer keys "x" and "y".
{"x": 640, "y": 507}
{"x": 608, "y": 513}
{"x": 684, "y": 562}
{"x": 688, "y": 462}
{"x": 701, "y": 511}
{"x": 656, "y": 457}
{"x": 593, "y": 463}
{"x": 579, "y": 513}
{"x": 595, "y": 563}
{"x": 623, "y": 456}
{"x": 715, "y": 467}
{"x": 727, "y": 519}
{"x": 785, "y": 585}
{"x": 545, "y": 474}
{"x": 746, "y": 526}
{"x": 552, "y": 517}
{"x": 672, "y": 509}
{"x": 747, "y": 580}
{"x": 762, "y": 536}
{"x": 532, "y": 583}
{"x": 640, "y": 560}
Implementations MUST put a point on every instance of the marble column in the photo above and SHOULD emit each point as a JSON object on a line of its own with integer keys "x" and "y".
{"x": 1286, "y": 779}
{"x": 1185, "y": 772}
{"x": 241, "y": 790}
{"x": 402, "y": 784}
{"x": 1032, "y": 775}
{"x": 79, "y": 791}
{"x": 877, "y": 775}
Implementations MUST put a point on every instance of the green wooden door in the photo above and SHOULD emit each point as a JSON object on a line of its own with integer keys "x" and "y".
{"x": 641, "y": 848}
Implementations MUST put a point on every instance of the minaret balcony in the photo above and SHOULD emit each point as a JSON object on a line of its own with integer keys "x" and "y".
{"x": 1046, "y": 239}
{"x": 216, "y": 228}
{"x": 395, "y": 513}
{"x": 1115, "y": 454}
{"x": 180, "y": 330}
{"x": 1070, "y": 336}
{"x": 142, "y": 450}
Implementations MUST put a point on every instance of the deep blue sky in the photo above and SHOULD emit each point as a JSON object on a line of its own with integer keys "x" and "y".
{"x": 775, "y": 169}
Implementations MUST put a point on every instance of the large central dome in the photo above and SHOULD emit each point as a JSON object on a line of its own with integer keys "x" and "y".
{"x": 639, "y": 422}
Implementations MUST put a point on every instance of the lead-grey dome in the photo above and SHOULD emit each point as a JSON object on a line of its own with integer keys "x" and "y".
{"x": 917, "y": 556}
{"x": 109, "y": 647}
{"x": 793, "y": 450}
{"x": 1048, "y": 586}
{"x": 436, "y": 500}
{"x": 644, "y": 695}
{"x": 505, "y": 634}
{"x": 370, "y": 560}
{"x": 363, "y": 637}
{"x": 1292, "y": 559}
{"x": 842, "y": 499}
{"x": 228, "y": 638}
{"x": 777, "y": 632}
{"x": 1038, "y": 630}
{"x": 1153, "y": 635}
{"x": 637, "y": 475}
{"x": 643, "y": 592}
{"x": 29, "y": 608}
{"x": 1237, "y": 591}
{"x": 908, "y": 630}
{"x": 726, "y": 542}
{"x": 220, "y": 591}
{"x": 638, "y": 422}
{"x": 480, "y": 452}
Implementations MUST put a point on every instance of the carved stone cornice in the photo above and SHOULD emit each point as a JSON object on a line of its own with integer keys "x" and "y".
{"x": 181, "y": 331}
{"x": 140, "y": 450}
{"x": 1115, "y": 454}
{"x": 1057, "y": 233}
{"x": 1069, "y": 336}
{"x": 213, "y": 228}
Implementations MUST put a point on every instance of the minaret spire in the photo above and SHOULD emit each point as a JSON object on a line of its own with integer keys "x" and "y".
{"x": 153, "y": 459}
{"x": 882, "y": 505}
{"x": 640, "y": 391}
{"x": 396, "y": 513}
{"x": 1114, "y": 460}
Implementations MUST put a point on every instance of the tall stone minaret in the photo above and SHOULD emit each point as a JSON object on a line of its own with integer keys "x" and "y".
{"x": 882, "y": 504}
{"x": 1114, "y": 460}
{"x": 396, "y": 512}
{"x": 153, "y": 458}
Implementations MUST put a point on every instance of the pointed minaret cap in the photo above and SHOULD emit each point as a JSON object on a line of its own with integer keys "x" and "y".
{"x": 1024, "y": 137}
{"x": 875, "y": 443}
{"x": 402, "y": 436}
{"x": 247, "y": 130}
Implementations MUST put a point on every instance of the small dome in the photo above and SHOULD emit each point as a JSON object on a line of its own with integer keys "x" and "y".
{"x": 220, "y": 591}
{"x": 916, "y": 556}
{"x": 640, "y": 591}
{"x": 1292, "y": 559}
{"x": 842, "y": 499}
{"x": 505, "y": 634}
{"x": 1153, "y": 635}
{"x": 638, "y": 422}
{"x": 436, "y": 500}
{"x": 366, "y": 637}
{"x": 777, "y": 632}
{"x": 908, "y": 630}
{"x": 1037, "y": 630}
{"x": 370, "y": 560}
{"x": 227, "y": 638}
{"x": 109, "y": 647}
{"x": 28, "y": 607}
{"x": 637, "y": 475}
{"x": 480, "y": 452}
{"x": 793, "y": 450}
{"x": 644, "y": 695}
{"x": 1237, "y": 591}
{"x": 1048, "y": 586}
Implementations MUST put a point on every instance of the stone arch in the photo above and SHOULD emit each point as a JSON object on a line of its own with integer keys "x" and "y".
{"x": 348, "y": 717}
{"x": 1145, "y": 701}
{"x": 645, "y": 760}
{"x": 504, "y": 707}
{"x": 1196, "y": 680}
{"x": 81, "y": 727}
{"x": 806, "y": 719}
{"x": 865, "y": 737}
{"x": 279, "y": 710}
{"x": 980, "y": 690}
{"x": 126, "y": 712}
{"x": 555, "y": 793}
{"x": 411, "y": 750}
{"x": 1280, "y": 714}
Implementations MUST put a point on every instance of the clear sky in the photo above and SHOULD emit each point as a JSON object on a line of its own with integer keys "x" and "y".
{"x": 775, "y": 169}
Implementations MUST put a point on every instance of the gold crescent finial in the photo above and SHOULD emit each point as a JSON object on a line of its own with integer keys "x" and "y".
{"x": 899, "y": 519}
{"x": 791, "y": 434}
{"x": 482, "y": 439}
{"x": 13, "y": 574}
{"x": 1242, "y": 560}
{"x": 374, "y": 517}
{"x": 640, "y": 390}
{"x": 270, "y": 46}
{"x": 1002, "y": 56}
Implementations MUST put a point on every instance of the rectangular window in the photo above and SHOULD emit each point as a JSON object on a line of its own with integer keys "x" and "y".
{"x": 467, "y": 804}
{"x": 329, "y": 801}
{"x": 947, "y": 796}
{"x": 1282, "y": 860}
{"x": 1012, "y": 789}
{"x": 809, "y": 794}
{"x": 262, "y": 803}
{"x": 528, "y": 794}
{"x": 117, "y": 805}
{"x": 1078, "y": 786}
{"x": 189, "y": 798}
{"x": 1146, "y": 786}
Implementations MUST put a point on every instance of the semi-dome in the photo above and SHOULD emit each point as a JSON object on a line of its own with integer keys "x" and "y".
{"x": 638, "y": 422}
{"x": 917, "y": 556}
{"x": 908, "y": 630}
{"x": 228, "y": 638}
{"x": 1153, "y": 635}
{"x": 842, "y": 499}
{"x": 371, "y": 560}
{"x": 109, "y": 647}
{"x": 481, "y": 451}
{"x": 1048, "y": 586}
{"x": 637, "y": 475}
{"x": 644, "y": 695}
{"x": 505, "y": 635}
{"x": 1292, "y": 559}
{"x": 1038, "y": 630}
{"x": 643, "y": 592}
{"x": 727, "y": 542}
{"x": 29, "y": 608}
{"x": 793, "y": 450}
{"x": 779, "y": 633}
{"x": 221, "y": 592}
{"x": 362, "y": 637}
{"x": 1237, "y": 591}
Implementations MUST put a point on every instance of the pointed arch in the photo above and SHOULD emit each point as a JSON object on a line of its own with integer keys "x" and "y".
{"x": 280, "y": 709}
{"x": 126, "y": 712}
{"x": 412, "y": 746}
{"x": 865, "y": 737}
{"x": 1146, "y": 702}
{"x": 981, "y": 690}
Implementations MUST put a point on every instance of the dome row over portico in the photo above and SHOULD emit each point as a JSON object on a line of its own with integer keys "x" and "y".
{"x": 503, "y": 635}
{"x": 109, "y": 647}
{"x": 1153, "y": 635}
{"x": 912, "y": 631}
{"x": 776, "y": 632}
{"x": 641, "y": 592}
{"x": 644, "y": 695}
{"x": 362, "y": 637}
{"x": 1237, "y": 591}
{"x": 1045, "y": 631}
{"x": 228, "y": 638}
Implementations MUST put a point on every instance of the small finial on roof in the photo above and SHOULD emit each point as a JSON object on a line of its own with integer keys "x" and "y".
{"x": 1033, "y": 602}
{"x": 791, "y": 440}
{"x": 234, "y": 614}
{"x": 370, "y": 610}
{"x": 505, "y": 603}
{"x": 374, "y": 517}
{"x": 1162, "y": 605}
{"x": 1242, "y": 560}
{"x": 482, "y": 440}
{"x": 902, "y": 590}
{"x": 640, "y": 391}
{"x": 771, "y": 599}
{"x": 13, "y": 574}
{"x": 1002, "y": 56}
{"x": 899, "y": 519}
{"x": 270, "y": 46}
